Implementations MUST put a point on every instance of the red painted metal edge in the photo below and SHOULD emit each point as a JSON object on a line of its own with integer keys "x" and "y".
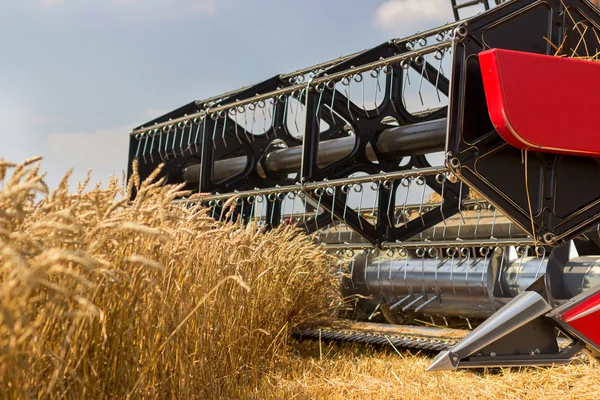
{"x": 543, "y": 103}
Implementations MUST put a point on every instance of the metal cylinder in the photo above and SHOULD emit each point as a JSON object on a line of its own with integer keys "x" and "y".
{"x": 416, "y": 139}
{"x": 470, "y": 288}
{"x": 580, "y": 274}
{"x": 520, "y": 274}
{"x": 452, "y": 287}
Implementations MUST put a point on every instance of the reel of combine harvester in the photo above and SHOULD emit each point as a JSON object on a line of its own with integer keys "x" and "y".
{"x": 449, "y": 172}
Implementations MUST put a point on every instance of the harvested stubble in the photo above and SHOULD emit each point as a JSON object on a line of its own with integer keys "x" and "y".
{"x": 354, "y": 371}
{"x": 104, "y": 299}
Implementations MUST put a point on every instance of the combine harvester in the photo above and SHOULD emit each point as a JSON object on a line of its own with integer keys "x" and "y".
{"x": 452, "y": 175}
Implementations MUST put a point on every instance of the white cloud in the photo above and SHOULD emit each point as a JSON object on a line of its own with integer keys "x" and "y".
{"x": 404, "y": 17}
{"x": 105, "y": 152}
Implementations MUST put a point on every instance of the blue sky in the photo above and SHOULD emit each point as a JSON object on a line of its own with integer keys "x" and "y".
{"x": 77, "y": 75}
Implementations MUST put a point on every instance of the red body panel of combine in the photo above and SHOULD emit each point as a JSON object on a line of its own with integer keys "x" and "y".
{"x": 543, "y": 103}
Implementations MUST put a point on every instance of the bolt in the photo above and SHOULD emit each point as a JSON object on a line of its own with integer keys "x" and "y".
{"x": 493, "y": 354}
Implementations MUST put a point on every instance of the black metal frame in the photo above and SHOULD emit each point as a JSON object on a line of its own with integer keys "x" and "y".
{"x": 564, "y": 201}
{"x": 366, "y": 125}
{"x": 475, "y": 152}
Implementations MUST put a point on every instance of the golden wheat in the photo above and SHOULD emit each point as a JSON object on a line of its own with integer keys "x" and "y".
{"x": 104, "y": 299}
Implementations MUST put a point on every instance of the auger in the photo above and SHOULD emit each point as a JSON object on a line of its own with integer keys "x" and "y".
{"x": 451, "y": 174}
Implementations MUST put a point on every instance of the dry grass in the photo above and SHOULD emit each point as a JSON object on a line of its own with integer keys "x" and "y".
{"x": 359, "y": 372}
{"x": 101, "y": 299}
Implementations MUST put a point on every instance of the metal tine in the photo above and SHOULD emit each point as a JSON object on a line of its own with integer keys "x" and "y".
{"x": 270, "y": 199}
{"x": 305, "y": 205}
{"x": 263, "y": 205}
{"x": 485, "y": 255}
{"x": 160, "y": 132}
{"x": 423, "y": 63}
{"x": 405, "y": 268}
{"x": 320, "y": 89}
{"x": 243, "y": 202}
{"x": 451, "y": 252}
{"x": 375, "y": 187}
{"x": 441, "y": 179}
{"x": 406, "y": 67}
{"x": 168, "y": 131}
{"x": 521, "y": 258}
{"x": 330, "y": 191}
{"x": 331, "y": 86}
{"x": 189, "y": 142}
{"x": 461, "y": 219}
{"x": 390, "y": 254}
{"x": 346, "y": 191}
{"x": 137, "y": 152}
{"x": 225, "y": 117}
{"x": 261, "y": 105}
{"x": 358, "y": 188}
{"x": 299, "y": 96}
{"x": 272, "y": 111}
{"x": 466, "y": 262}
{"x": 539, "y": 250}
{"x": 318, "y": 192}
{"x": 291, "y": 196}
{"x": 242, "y": 110}
{"x": 439, "y": 55}
{"x": 358, "y": 78}
{"x": 252, "y": 202}
{"x": 405, "y": 182}
{"x": 174, "y": 138}
{"x": 389, "y": 186}
{"x": 252, "y": 107}
{"x": 389, "y": 70}
{"x": 152, "y": 148}
{"x": 232, "y": 113}
{"x": 478, "y": 211}
{"x": 376, "y": 73}
{"x": 183, "y": 126}
{"x": 421, "y": 182}
{"x": 201, "y": 123}
{"x": 346, "y": 81}
{"x": 215, "y": 118}
{"x": 352, "y": 272}
{"x": 493, "y": 220}
{"x": 286, "y": 101}
{"x": 144, "y": 151}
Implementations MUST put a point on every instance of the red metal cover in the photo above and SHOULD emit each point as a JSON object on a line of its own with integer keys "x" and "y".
{"x": 585, "y": 318}
{"x": 543, "y": 103}
{"x": 580, "y": 316}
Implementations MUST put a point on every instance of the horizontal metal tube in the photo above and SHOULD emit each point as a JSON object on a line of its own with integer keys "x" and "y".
{"x": 290, "y": 160}
{"x": 416, "y": 139}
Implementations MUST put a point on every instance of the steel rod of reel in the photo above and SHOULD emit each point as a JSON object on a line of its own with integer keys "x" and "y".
{"x": 416, "y": 139}
{"x": 436, "y": 244}
{"x": 412, "y": 173}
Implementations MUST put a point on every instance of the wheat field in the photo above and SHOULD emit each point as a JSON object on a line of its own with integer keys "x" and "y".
{"x": 104, "y": 298}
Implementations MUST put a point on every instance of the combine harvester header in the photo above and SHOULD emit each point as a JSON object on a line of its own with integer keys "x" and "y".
{"x": 452, "y": 174}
